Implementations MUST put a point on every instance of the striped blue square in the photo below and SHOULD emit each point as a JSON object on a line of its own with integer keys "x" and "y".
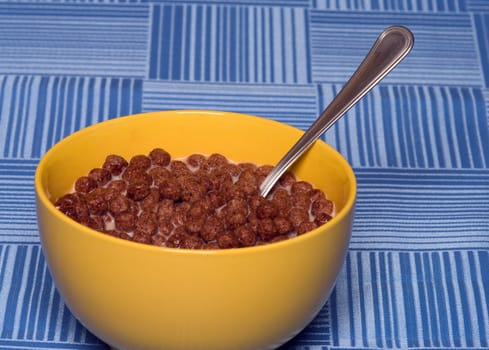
{"x": 219, "y": 43}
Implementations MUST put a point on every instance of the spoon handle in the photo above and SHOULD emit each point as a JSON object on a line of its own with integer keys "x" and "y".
{"x": 392, "y": 45}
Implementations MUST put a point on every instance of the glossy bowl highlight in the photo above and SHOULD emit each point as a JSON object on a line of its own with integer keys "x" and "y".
{"x": 138, "y": 296}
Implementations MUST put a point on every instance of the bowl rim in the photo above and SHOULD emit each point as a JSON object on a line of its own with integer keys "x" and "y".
{"x": 43, "y": 198}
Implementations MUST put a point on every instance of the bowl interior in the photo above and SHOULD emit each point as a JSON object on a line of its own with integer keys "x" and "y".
{"x": 238, "y": 137}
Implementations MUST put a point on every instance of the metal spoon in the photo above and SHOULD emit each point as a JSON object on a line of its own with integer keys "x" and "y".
{"x": 392, "y": 45}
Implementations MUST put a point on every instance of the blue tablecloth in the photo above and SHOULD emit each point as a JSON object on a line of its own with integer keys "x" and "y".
{"x": 417, "y": 273}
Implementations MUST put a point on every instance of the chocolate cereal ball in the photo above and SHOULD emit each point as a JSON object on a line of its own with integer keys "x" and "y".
{"x": 160, "y": 157}
{"x": 115, "y": 164}
{"x": 140, "y": 161}
{"x": 100, "y": 175}
{"x": 85, "y": 184}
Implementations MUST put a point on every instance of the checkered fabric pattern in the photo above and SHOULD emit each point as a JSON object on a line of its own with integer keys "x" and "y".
{"x": 417, "y": 272}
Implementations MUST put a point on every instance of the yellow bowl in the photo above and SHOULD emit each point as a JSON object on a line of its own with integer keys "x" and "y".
{"x": 137, "y": 296}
